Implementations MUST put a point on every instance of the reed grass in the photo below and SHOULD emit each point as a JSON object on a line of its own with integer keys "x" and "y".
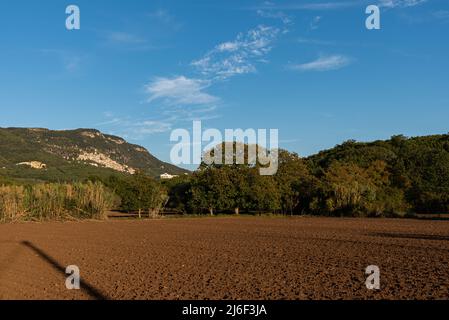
{"x": 54, "y": 201}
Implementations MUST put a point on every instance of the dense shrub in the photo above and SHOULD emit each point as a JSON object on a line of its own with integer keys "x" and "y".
{"x": 139, "y": 193}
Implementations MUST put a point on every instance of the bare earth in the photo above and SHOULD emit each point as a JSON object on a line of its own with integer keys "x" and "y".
{"x": 226, "y": 258}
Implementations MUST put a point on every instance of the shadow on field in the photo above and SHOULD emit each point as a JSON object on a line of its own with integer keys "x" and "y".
{"x": 89, "y": 289}
{"x": 9, "y": 257}
{"x": 412, "y": 236}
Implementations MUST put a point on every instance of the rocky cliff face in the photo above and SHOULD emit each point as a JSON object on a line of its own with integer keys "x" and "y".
{"x": 72, "y": 154}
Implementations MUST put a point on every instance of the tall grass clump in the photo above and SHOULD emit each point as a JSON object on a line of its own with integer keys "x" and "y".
{"x": 91, "y": 200}
{"x": 54, "y": 201}
{"x": 12, "y": 203}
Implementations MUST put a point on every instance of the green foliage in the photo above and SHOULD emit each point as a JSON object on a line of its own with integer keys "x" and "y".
{"x": 233, "y": 188}
{"x": 179, "y": 194}
{"x": 139, "y": 193}
{"x": 349, "y": 189}
{"x": 211, "y": 190}
{"x": 296, "y": 183}
{"x": 418, "y": 170}
{"x": 265, "y": 195}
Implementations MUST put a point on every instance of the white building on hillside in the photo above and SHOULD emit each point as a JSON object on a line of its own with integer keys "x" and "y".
{"x": 167, "y": 176}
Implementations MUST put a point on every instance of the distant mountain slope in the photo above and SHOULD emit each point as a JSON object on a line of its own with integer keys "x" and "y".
{"x": 42, "y": 154}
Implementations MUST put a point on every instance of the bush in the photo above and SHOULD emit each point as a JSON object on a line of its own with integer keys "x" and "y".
{"x": 140, "y": 193}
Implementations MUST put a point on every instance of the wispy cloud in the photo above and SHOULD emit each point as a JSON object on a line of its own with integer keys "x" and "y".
{"x": 164, "y": 17}
{"x": 134, "y": 37}
{"x": 400, "y": 3}
{"x": 131, "y": 128}
{"x": 312, "y": 6}
{"x": 325, "y": 63}
{"x": 316, "y": 42}
{"x": 270, "y": 14}
{"x": 124, "y": 38}
{"x": 273, "y": 13}
{"x": 70, "y": 61}
{"x": 151, "y": 126}
{"x": 181, "y": 98}
{"x": 128, "y": 41}
{"x": 441, "y": 15}
{"x": 315, "y": 22}
{"x": 238, "y": 56}
{"x": 336, "y": 5}
{"x": 188, "y": 114}
{"x": 179, "y": 90}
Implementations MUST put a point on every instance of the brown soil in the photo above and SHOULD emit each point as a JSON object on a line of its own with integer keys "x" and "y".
{"x": 226, "y": 258}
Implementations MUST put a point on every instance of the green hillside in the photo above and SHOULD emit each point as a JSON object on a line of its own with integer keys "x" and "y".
{"x": 72, "y": 155}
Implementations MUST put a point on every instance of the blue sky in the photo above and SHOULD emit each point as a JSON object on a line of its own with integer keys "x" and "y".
{"x": 140, "y": 69}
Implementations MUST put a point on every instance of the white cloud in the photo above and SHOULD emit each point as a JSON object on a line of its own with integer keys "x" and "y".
{"x": 400, "y": 3}
{"x": 239, "y": 56}
{"x": 228, "y": 46}
{"x": 326, "y": 63}
{"x": 270, "y": 14}
{"x": 179, "y": 91}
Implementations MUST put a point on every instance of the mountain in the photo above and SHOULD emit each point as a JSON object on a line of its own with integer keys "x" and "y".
{"x": 49, "y": 155}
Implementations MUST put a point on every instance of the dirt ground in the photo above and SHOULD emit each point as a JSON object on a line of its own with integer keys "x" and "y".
{"x": 226, "y": 258}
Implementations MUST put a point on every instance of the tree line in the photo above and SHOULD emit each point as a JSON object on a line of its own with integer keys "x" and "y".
{"x": 383, "y": 178}
{"x": 343, "y": 189}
